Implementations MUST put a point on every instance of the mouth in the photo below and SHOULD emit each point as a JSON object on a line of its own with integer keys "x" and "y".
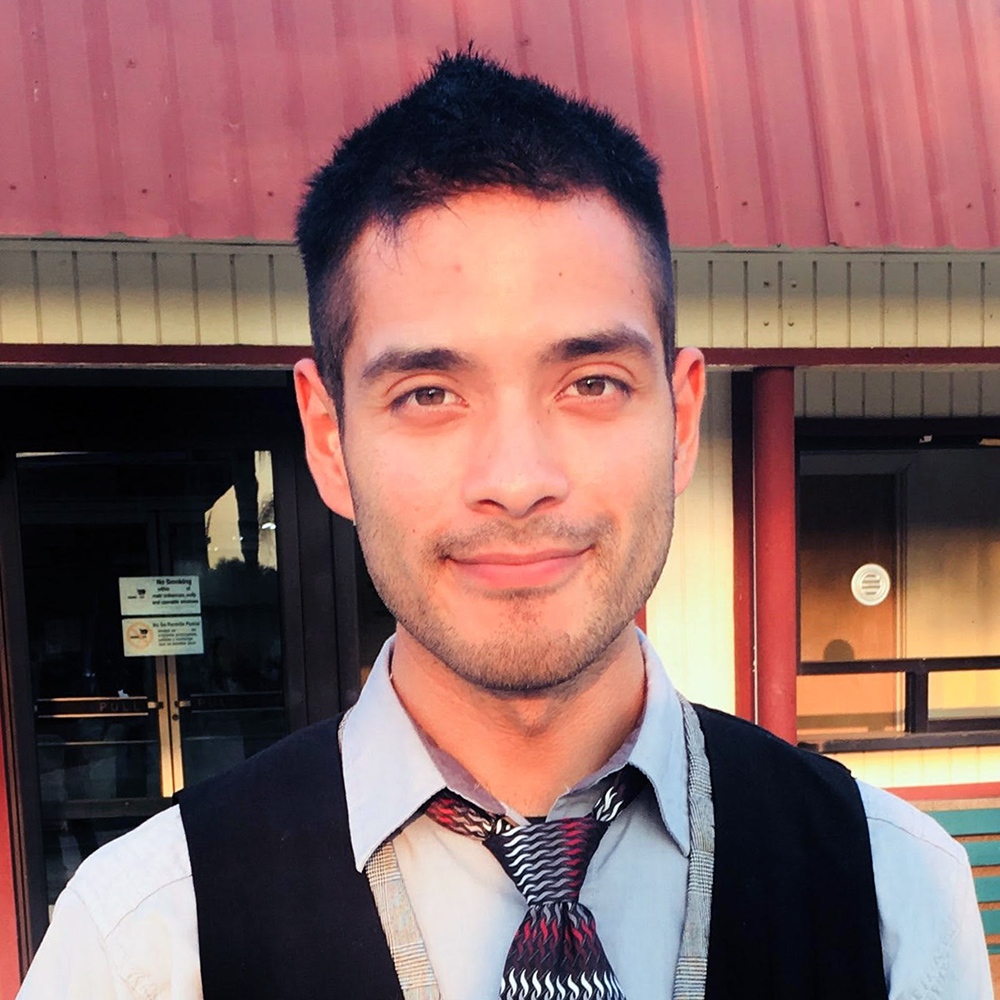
{"x": 520, "y": 570}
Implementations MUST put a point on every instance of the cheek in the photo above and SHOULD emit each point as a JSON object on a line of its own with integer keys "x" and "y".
{"x": 628, "y": 469}
{"x": 407, "y": 489}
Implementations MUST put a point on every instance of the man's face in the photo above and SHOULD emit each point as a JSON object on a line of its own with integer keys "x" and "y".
{"x": 508, "y": 434}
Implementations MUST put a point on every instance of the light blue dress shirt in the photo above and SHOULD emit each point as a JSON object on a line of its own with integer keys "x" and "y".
{"x": 468, "y": 909}
{"x": 125, "y": 928}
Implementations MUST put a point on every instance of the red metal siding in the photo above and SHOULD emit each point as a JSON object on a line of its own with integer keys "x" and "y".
{"x": 794, "y": 122}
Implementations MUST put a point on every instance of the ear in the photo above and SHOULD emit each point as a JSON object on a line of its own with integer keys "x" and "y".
{"x": 689, "y": 394}
{"x": 322, "y": 433}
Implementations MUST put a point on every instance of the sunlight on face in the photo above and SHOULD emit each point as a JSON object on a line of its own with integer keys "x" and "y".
{"x": 508, "y": 432}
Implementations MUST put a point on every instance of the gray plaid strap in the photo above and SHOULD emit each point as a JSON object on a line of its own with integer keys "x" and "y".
{"x": 402, "y": 935}
{"x": 406, "y": 945}
{"x": 692, "y": 961}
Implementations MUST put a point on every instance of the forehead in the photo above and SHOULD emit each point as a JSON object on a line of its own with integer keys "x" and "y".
{"x": 497, "y": 268}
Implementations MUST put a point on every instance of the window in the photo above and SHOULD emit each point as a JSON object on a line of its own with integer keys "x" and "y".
{"x": 899, "y": 591}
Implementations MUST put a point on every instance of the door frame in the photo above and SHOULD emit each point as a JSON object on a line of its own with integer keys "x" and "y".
{"x": 62, "y": 409}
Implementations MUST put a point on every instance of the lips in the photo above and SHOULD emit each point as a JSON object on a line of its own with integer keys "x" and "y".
{"x": 542, "y": 568}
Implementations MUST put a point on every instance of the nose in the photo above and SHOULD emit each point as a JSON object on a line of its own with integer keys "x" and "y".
{"x": 516, "y": 465}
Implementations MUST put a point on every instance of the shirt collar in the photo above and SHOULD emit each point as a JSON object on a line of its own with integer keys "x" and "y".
{"x": 390, "y": 770}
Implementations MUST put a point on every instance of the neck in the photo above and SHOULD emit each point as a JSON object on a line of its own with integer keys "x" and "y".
{"x": 525, "y": 750}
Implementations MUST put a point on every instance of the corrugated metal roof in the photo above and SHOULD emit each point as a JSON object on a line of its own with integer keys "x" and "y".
{"x": 794, "y": 122}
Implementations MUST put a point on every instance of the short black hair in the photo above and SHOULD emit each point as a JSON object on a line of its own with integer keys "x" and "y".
{"x": 470, "y": 125}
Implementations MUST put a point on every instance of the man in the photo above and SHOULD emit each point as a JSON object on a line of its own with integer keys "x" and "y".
{"x": 520, "y": 804}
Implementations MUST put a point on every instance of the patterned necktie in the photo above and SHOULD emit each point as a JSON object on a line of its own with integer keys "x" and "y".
{"x": 556, "y": 952}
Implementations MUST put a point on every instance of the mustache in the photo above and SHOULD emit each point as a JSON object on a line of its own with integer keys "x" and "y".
{"x": 550, "y": 529}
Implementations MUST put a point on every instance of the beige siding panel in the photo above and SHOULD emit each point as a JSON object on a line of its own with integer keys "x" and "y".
{"x": 965, "y": 760}
{"x": 819, "y": 392}
{"x": 965, "y": 392}
{"x": 989, "y": 763}
{"x": 798, "y": 297}
{"x": 724, "y": 299}
{"x": 849, "y": 394}
{"x": 136, "y": 298}
{"x": 729, "y": 303}
{"x": 899, "y": 307}
{"x": 907, "y": 394}
{"x": 216, "y": 309}
{"x": 175, "y": 298}
{"x": 899, "y": 393}
{"x": 966, "y": 303}
{"x": 932, "y": 303}
{"x": 832, "y": 318}
{"x": 98, "y": 308}
{"x": 57, "y": 297}
{"x": 693, "y": 296}
{"x": 878, "y": 394}
{"x": 763, "y": 301}
{"x": 254, "y": 314}
{"x": 914, "y": 768}
{"x": 937, "y": 394}
{"x": 291, "y": 305}
{"x": 875, "y": 768}
{"x": 19, "y": 322}
{"x": 990, "y": 393}
{"x": 991, "y": 301}
{"x": 800, "y": 392}
{"x": 865, "y": 301}
{"x": 689, "y": 616}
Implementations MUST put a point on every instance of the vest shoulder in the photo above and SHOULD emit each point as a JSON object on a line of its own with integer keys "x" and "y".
{"x": 302, "y": 760}
{"x": 753, "y": 747}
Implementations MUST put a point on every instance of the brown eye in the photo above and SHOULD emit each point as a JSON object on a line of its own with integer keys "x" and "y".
{"x": 429, "y": 397}
{"x": 592, "y": 386}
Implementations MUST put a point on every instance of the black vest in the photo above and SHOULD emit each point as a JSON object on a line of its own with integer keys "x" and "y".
{"x": 284, "y": 915}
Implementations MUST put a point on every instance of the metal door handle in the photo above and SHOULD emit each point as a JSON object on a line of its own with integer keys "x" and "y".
{"x": 182, "y": 703}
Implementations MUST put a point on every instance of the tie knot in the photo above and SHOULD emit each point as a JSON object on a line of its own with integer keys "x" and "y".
{"x": 548, "y": 861}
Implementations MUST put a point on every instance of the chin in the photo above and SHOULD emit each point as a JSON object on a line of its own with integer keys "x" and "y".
{"x": 525, "y": 657}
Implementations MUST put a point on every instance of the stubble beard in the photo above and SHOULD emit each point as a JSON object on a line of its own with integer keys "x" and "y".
{"x": 524, "y": 656}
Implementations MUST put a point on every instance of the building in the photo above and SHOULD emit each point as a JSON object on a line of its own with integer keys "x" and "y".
{"x": 831, "y": 176}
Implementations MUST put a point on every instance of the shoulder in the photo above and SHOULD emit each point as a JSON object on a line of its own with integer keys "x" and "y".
{"x": 932, "y": 935}
{"x": 133, "y": 870}
{"x": 126, "y": 924}
{"x": 916, "y": 863}
{"x": 893, "y": 821}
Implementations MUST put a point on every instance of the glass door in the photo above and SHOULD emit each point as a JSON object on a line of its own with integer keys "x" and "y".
{"x": 153, "y": 624}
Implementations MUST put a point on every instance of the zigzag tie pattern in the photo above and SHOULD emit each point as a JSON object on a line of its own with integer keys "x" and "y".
{"x": 556, "y": 953}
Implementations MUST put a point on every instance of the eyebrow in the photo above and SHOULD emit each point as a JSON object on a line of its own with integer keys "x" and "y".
{"x": 620, "y": 338}
{"x": 399, "y": 360}
{"x": 396, "y": 360}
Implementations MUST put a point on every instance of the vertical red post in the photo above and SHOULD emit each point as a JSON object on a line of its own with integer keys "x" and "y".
{"x": 743, "y": 562}
{"x": 776, "y": 589}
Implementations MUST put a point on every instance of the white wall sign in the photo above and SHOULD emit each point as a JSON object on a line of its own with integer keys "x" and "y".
{"x": 177, "y": 635}
{"x": 870, "y": 584}
{"x": 164, "y": 595}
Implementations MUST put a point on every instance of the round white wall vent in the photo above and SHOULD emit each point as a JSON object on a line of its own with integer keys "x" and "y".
{"x": 870, "y": 584}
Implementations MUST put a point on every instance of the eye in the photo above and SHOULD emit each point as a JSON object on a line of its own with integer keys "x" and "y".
{"x": 426, "y": 396}
{"x": 597, "y": 386}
